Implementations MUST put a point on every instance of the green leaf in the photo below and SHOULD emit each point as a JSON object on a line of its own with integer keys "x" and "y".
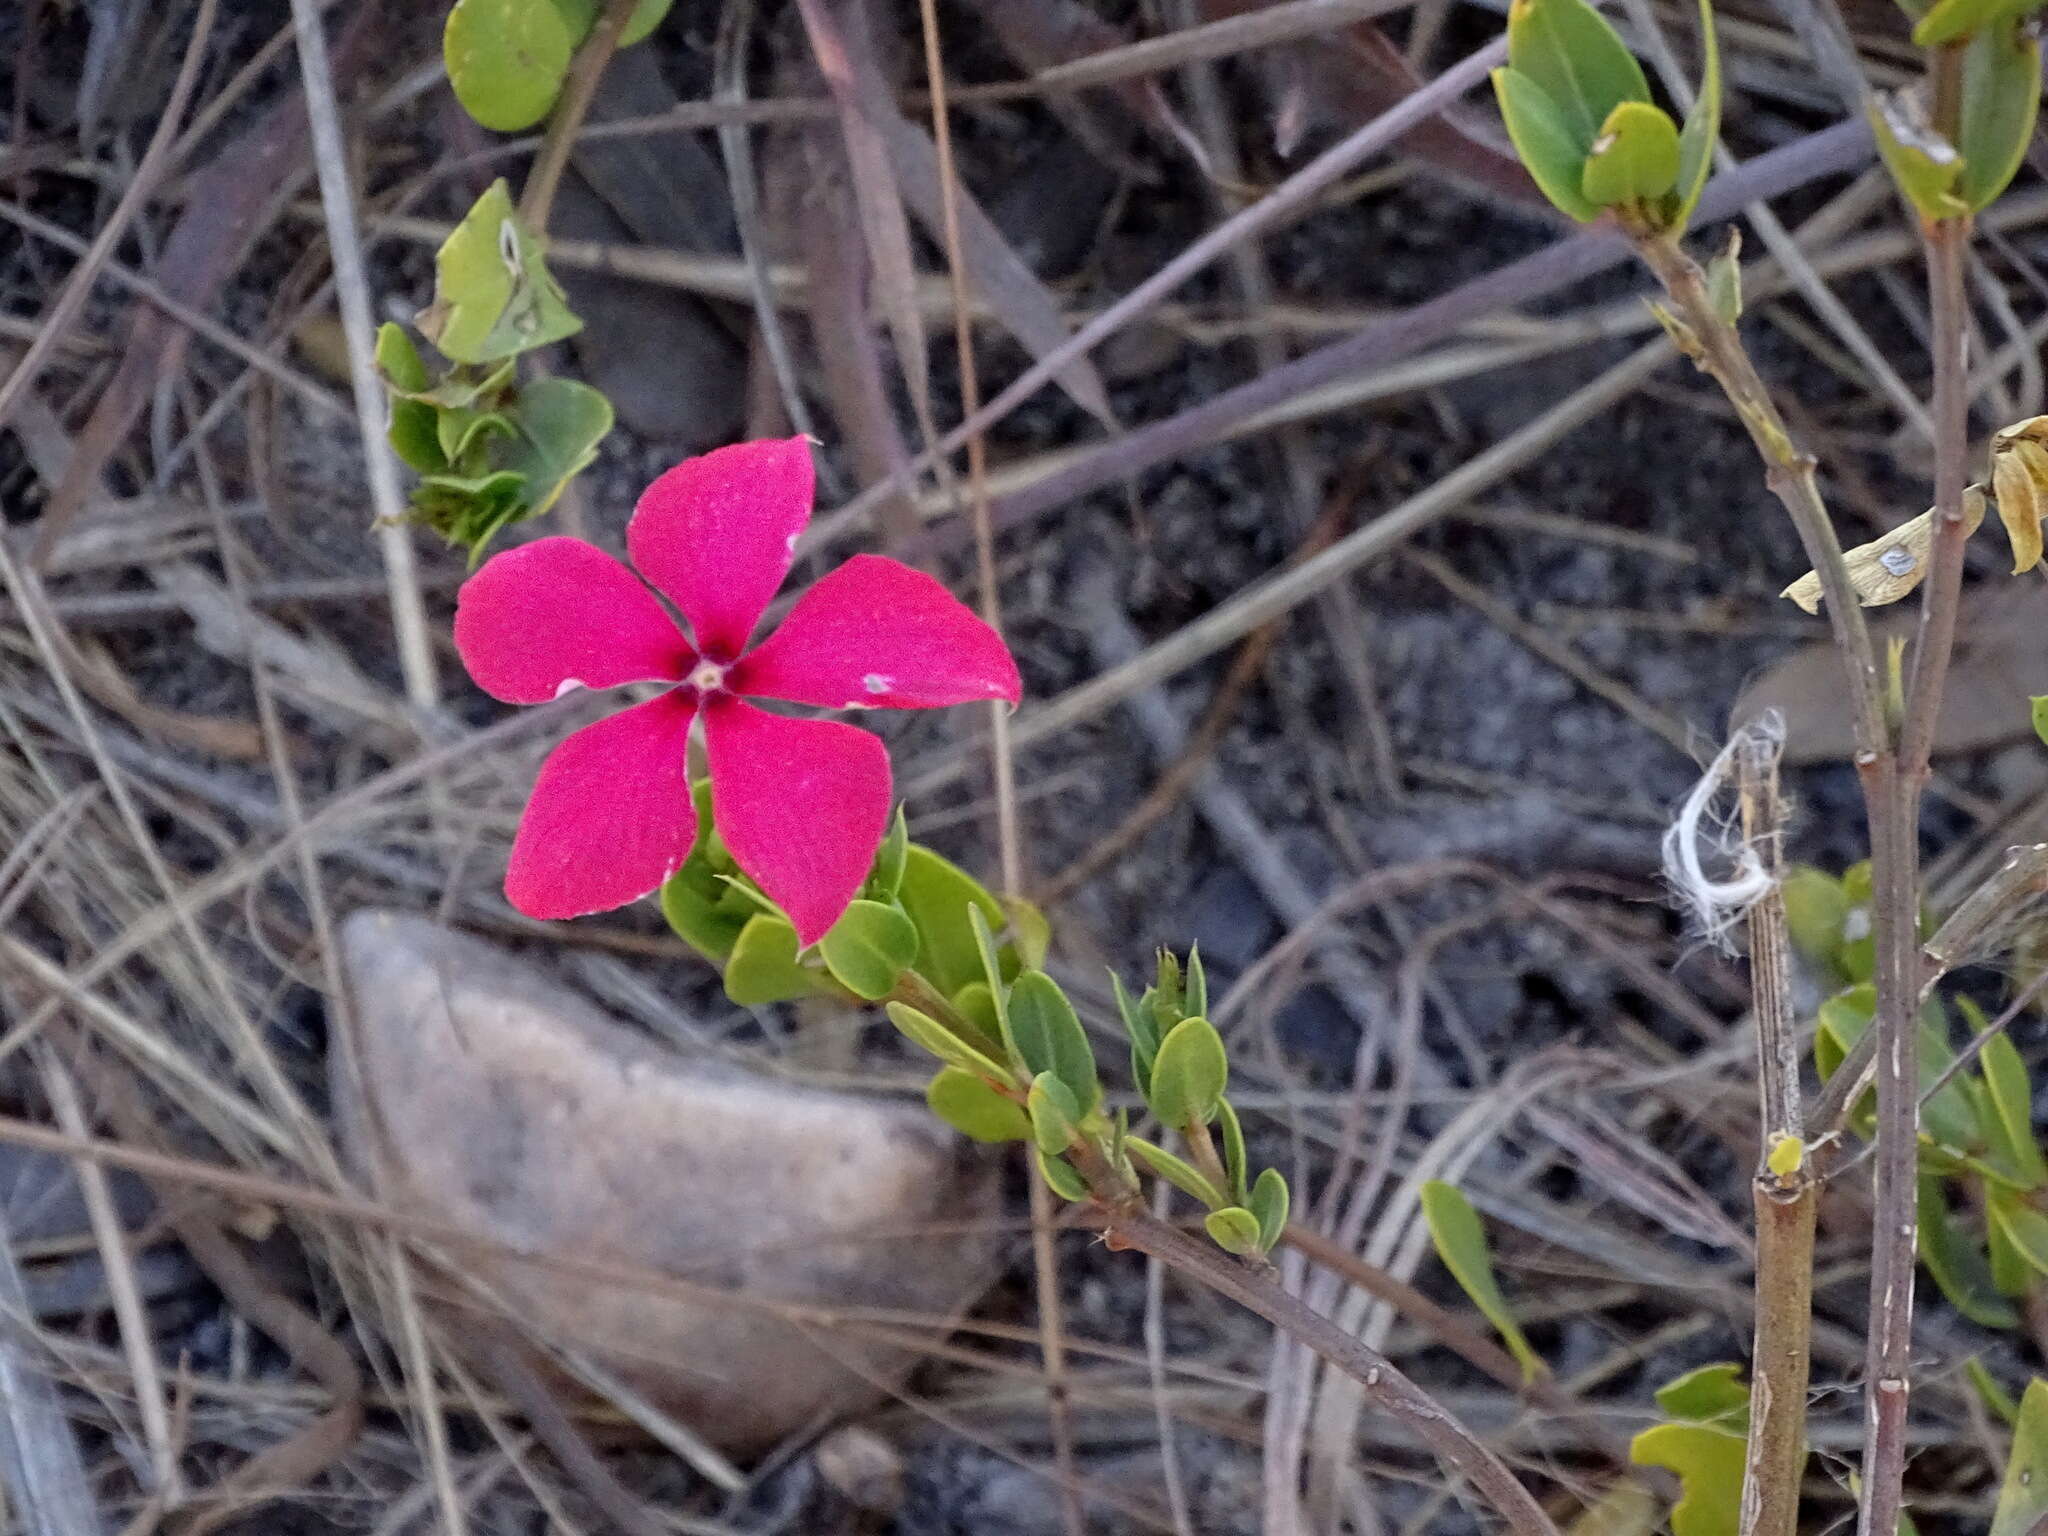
{"x": 1544, "y": 142}
{"x": 493, "y": 294}
{"x": 886, "y": 878}
{"x": 1709, "y": 1464}
{"x": 1724, "y": 294}
{"x": 581, "y": 17}
{"x": 1816, "y": 907}
{"x": 2023, "y": 1501}
{"x": 870, "y": 946}
{"x": 938, "y": 895}
{"x": 1195, "y": 995}
{"x": 1635, "y": 158}
{"x": 1055, "y": 1117}
{"x": 1959, "y": 1267}
{"x": 1990, "y": 1393}
{"x": 974, "y": 1109}
{"x": 464, "y": 433}
{"x": 1702, "y": 129}
{"x": 1143, "y": 1029}
{"x": 399, "y": 361}
{"x": 922, "y": 1030}
{"x": 2040, "y": 716}
{"x": 1711, "y": 1394}
{"x": 1062, "y": 1178}
{"x": 1030, "y": 933}
{"x": 1269, "y": 1201}
{"x": 1189, "y": 1074}
{"x": 1460, "y": 1241}
{"x": 977, "y": 1005}
{"x": 1235, "y": 1230}
{"x": 1046, "y": 1035}
{"x": 697, "y": 901}
{"x": 1233, "y": 1148}
{"x": 1952, "y": 19}
{"x": 2001, "y": 98}
{"x": 1627, "y": 1508}
{"x": 2010, "y": 1271}
{"x": 1181, "y": 1175}
{"x": 762, "y": 967}
{"x": 1569, "y": 51}
{"x": 2012, "y": 1103}
{"x": 414, "y": 435}
{"x": 560, "y": 423}
{"x": 1924, "y": 165}
{"x": 2025, "y": 1228}
{"x": 506, "y": 60}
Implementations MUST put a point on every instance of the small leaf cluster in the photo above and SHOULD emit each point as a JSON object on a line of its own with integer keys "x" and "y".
{"x": 909, "y": 918}
{"x": 1951, "y": 171}
{"x": 1579, "y": 112}
{"x": 1976, "y": 1130}
{"x": 508, "y": 59}
{"x": 490, "y": 448}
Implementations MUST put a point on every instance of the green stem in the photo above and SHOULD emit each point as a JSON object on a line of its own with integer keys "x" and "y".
{"x": 537, "y": 197}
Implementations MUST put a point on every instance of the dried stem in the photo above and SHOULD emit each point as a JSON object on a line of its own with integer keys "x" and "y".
{"x": 537, "y": 197}
{"x": 1785, "y": 1197}
{"x": 1258, "y": 1290}
{"x": 1896, "y": 904}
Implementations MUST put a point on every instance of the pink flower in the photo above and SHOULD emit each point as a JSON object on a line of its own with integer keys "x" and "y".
{"x": 801, "y": 804}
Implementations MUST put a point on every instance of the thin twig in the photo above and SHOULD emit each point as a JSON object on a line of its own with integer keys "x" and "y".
{"x": 352, "y": 290}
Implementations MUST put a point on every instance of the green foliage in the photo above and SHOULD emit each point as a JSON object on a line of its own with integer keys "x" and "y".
{"x": 1182, "y": 1175}
{"x": 966, "y": 1102}
{"x": 2001, "y": 98}
{"x": 1704, "y": 1443}
{"x": 763, "y": 966}
{"x": 1269, "y": 1202}
{"x": 1045, "y": 1034}
{"x": 508, "y": 59}
{"x": 2040, "y": 717}
{"x": 1579, "y": 113}
{"x": 2023, "y": 1500}
{"x": 938, "y": 895}
{"x": 1188, "y": 1075}
{"x": 1055, "y": 1115}
{"x": 1062, "y": 1178}
{"x": 922, "y": 1030}
{"x": 1235, "y": 1230}
{"x": 1993, "y": 1396}
{"x": 1460, "y": 1239}
{"x": 870, "y": 948}
{"x": 489, "y": 449}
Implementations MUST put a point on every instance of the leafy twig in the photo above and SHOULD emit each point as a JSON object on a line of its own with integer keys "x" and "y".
{"x": 537, "y": 197}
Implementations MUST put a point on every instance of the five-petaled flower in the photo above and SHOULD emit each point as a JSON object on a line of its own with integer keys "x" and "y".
{"x": 801, "y": 804}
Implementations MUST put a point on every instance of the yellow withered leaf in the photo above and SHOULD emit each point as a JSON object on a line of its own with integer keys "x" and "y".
{"x": 1886, "y": 569}
{"x": 2019, "y": 481}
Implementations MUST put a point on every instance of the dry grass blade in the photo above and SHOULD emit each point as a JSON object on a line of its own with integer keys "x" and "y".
{"x": 840, "y": 42}
{"x": 45, "y": 1475}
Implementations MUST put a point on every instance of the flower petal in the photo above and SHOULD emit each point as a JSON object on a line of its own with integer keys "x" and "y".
{"x": 559, "y": 613}
{"x": 877, "y": 634}
{"x": 611, "y": 816}
{"x": 801, "y": 805}
{"x": 717, "y": 534}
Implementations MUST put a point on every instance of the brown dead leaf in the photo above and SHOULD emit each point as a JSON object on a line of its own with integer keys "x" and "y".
{"x": 1888, "y": 568}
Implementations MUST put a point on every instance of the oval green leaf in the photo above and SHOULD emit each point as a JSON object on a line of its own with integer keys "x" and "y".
{"x": 1702, "y": 125}
{"x": 2012, "y": 1102}
{"x": 506, "y": 60}
{"x": 1232, "y": 1137}
{"x": 2001, "y": 98}
{"x": 1055, "y": 1117}
{"x": 1460, "y": 1241}
{"x": 1046, "y": 1036}
{"x": 938, "y": 895}
{"x": 974, "y": 1109}
{"x": 1573, "y": 55}
{"x": 1960, "y": 1269}
{"x": 2040, "y": 717}
{"x": 1544, "y": 142}
{"x": 1269, "y": 1203}
{"x": 1062, "y": 1178}
{"x": 1189, "y": 1074}
{"x": 581, "y": 16}
{"x": 1235, "y": 1230}
{"x": 1634, "y": 161}
{"x": 762, "y": 967}
{"x": 2023, "y": 1500}
{"x": 869, "y": 948}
